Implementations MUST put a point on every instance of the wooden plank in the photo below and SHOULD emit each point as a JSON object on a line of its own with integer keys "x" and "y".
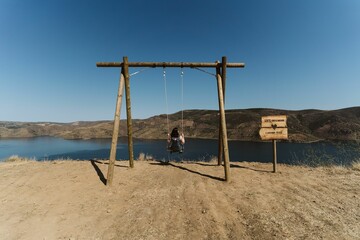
{"x": 274, "y": 121}
{"x": 271, "y": 133}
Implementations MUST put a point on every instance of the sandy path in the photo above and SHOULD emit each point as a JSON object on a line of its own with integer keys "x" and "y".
{"x": 68, "y": 200}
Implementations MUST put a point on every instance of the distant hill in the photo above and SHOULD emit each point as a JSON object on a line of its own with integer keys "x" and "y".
{"x": 242, "y": 124}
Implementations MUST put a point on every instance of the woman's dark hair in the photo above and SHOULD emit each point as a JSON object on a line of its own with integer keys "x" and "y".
{"x": 175, "y": 133}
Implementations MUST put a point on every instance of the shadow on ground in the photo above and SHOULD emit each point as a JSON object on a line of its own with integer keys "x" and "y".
{"x": 99, "y": 172}
{"x": 186, "y": 169}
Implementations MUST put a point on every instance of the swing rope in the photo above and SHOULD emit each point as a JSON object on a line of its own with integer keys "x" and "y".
{"x": 141, "y": 70}
{"x": 166, "y": 101}
{"x": 202, "y": 70}
{"x": 182, "y": 100}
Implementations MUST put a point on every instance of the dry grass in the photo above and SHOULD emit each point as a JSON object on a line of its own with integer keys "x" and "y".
{"x": 144, "y": 157}
{"x": 356, "y": 165}
{"x": 16, "y": 158}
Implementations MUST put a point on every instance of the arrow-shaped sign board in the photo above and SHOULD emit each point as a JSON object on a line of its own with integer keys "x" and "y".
{"x": 271, "y": 133}
{"x": 278, "y": 121}
{"x": 274, "y": 127}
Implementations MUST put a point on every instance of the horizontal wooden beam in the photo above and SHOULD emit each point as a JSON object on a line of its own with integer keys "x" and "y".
{"x": 170, "y": 64}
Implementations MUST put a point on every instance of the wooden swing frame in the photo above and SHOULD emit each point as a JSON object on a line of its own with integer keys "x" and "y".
{"x": 223, "y": 152}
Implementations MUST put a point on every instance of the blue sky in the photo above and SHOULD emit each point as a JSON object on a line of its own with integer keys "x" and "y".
{"x": 298, "y": 55}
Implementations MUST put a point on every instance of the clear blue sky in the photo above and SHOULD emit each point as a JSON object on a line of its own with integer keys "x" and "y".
{"x": 298, "y": 55}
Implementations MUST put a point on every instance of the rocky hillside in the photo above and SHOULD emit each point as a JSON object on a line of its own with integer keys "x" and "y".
{"x": 242, "y": 124}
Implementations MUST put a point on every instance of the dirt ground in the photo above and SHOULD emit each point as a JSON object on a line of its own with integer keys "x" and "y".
{"x": 69, "y": 200}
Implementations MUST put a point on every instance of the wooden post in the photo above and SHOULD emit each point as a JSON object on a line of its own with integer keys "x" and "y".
{"x": 128, "y": 112}
{"x": 274, "y": 156}
{"x": 223, "y": 76}
{"x": 220, "y": 143}
{"x": 115, "y": 135}
{"x": 223, "y": 128}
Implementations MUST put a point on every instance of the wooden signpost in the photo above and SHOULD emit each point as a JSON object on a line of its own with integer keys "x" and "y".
{"x": 274, "y": 128}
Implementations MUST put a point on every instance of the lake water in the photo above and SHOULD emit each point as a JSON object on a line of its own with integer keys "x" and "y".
{"x": 313, "y": 154}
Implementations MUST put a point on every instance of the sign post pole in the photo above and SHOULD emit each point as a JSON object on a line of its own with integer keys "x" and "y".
{"x": 274, "y": 156}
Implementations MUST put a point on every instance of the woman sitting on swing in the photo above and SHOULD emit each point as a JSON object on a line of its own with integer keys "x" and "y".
{"x": 176, "y": 141}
